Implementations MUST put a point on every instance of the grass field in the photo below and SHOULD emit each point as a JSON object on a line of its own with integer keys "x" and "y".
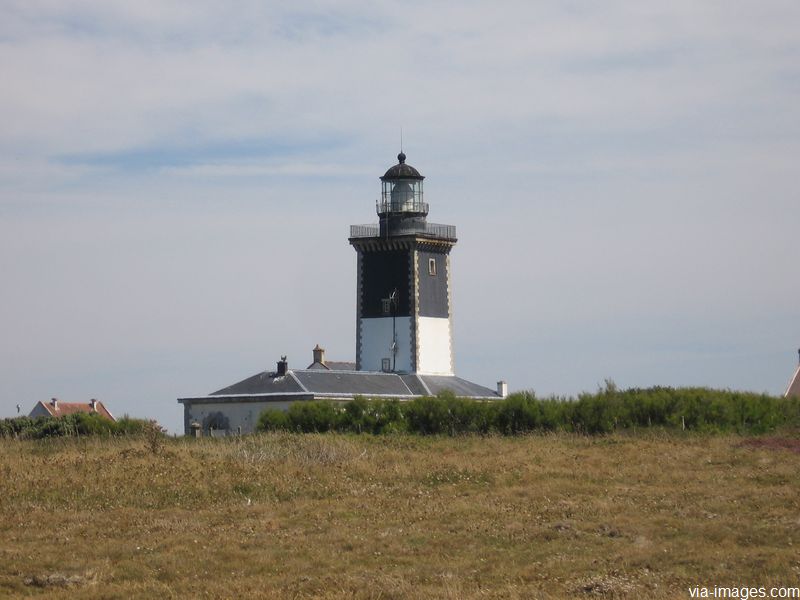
{"x": 334, "y": 516}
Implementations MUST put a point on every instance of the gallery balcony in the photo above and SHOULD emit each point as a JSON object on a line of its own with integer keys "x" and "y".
{"x": 424, "y": 229}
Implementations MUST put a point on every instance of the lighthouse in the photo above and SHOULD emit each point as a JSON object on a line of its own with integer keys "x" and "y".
{"x": 404, "y": 329}
{"x": 404, "y": 299}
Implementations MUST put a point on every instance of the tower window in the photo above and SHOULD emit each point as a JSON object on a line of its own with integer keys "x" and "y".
{"x": 386, "y": 305}
{"x": 431, "y": 266}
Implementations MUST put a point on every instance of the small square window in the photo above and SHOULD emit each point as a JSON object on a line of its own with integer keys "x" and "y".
{"x": 431, "y": 266}
{"x": 386, "y": 364}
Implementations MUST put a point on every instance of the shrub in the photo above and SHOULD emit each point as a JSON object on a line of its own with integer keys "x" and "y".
{"x": 427, "y": 415}
{"x": 77, "y": 424}
{"x": 607, "y": 410}
{"x": 315, "y": 416}
{"x": 518, "y": 413}
{"x": 388, "y": 416}
{"x": 273, "y": 420}
{"x": 358, "y": 416}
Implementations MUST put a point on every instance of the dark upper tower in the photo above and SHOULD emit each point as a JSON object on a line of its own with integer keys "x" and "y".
{"x": 403, "y": 295}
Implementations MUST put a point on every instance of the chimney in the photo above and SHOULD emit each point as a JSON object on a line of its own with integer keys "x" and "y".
{"x": 93, "y": 404}
{"x": 54, "y": 403}
{"x": 283, "y": 366}
{"x": 798, "y": 354}
{"x": 502, "y": 389}
{"x": 319, "y": 355}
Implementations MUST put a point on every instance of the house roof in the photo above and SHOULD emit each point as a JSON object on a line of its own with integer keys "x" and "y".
{"x": 60, "y": 409}
{"x": 322, "y": 383}
{"x": 460, "y": 387}
{"x": 332, "y": 365}
{"x": 262, "y": 383}
{"x": 794, "y": 385}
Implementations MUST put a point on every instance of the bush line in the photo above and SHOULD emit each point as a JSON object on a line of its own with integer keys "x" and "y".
{"x": 76, "y": 424}
{"x": 608, "y": 410}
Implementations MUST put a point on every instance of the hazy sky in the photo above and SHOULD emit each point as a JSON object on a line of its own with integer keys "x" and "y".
{"x": 177, "y": 182}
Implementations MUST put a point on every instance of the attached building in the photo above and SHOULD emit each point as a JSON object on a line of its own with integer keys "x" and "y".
{"x": 236, "y": 408}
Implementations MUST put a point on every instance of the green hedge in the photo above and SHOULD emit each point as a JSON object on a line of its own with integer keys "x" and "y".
{"x": 78, "y": 424}
{"x": 610, "y": 409}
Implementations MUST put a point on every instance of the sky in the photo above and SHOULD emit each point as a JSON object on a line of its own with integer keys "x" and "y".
{"x": 177, "y": 181}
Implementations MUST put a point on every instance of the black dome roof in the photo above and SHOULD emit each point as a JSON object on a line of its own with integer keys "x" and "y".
{"x": 402, "y": 170}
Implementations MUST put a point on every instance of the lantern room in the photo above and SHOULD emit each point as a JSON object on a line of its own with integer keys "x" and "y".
{"x": 402, "y": 190}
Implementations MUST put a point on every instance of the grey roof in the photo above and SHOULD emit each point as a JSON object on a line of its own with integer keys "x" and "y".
{"x": 353, "y": 383}
{"x": 340, "y": 365}
{"x": 262, "y": 383}
{"x": 322, "y": 383}
{"x": 460, "y": 387}
{"x": 332, "y": 365}
{"x": 416, "y": 386}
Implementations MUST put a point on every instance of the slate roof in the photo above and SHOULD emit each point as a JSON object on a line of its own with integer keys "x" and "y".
{"x": 460, "y": 387}
{"x": 321, "y": 383}
{"x": 352, "y": 383}
{"x": 262, "y": 383}
{"x": 794, "y": 385}
{"x": 333, "y": 365}
{"x": 414, "y": 384}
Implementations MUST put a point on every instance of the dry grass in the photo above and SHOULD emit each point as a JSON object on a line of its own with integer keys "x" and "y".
{"x": 396, "y": 517}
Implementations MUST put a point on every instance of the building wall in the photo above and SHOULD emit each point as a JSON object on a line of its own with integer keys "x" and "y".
{"x": 227, "y": 416}
{"x": 39, "y": 411}
{"x": 376, "y": 339}
{"x": 433, "y": 296}
{"x": 382, "y": 273}
{"x": 434, "y": 346}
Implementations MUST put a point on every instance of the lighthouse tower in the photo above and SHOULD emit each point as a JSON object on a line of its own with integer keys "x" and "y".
{"x": 404, "y": 319}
